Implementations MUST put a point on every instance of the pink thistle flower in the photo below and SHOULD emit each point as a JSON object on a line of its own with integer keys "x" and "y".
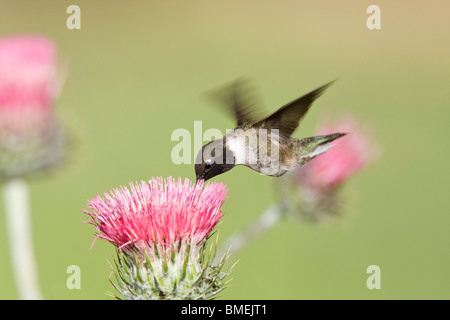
{"x": 348, "y": 156}
{"x": 158, "y": 213}
{"x": 28, "y": 82}
{"x": 160, "y": 228}
{"x": 30, "y": 138}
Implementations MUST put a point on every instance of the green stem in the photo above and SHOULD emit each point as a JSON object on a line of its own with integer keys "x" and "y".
{"x": 267, "y": 220}
{"x": 15, "y": 193}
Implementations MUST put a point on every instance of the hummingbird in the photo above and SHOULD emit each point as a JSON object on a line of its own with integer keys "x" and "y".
{"x": 264, "y": 145}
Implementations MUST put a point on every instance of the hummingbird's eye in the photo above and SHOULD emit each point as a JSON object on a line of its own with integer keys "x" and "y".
{"x": 207, "y": 165}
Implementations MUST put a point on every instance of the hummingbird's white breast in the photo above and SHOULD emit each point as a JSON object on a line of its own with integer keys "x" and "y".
{"x": 258, "y": 149}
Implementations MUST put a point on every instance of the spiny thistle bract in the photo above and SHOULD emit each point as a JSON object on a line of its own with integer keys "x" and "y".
{"x": 162, "y": 275}
{"x": 160, "y": 229}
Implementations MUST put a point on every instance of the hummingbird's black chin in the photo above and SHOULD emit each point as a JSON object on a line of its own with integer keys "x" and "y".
{"x": 199, "y": 177}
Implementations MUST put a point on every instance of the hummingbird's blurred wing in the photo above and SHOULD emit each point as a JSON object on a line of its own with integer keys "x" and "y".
{"x": 288, "y": 117}
{"x": 239, "y": 100}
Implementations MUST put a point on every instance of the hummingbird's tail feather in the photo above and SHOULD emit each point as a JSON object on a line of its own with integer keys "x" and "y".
{"x": 311, "y": 147}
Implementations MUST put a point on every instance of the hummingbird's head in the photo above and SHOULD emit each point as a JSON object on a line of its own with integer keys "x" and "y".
{"x": 212, "y": 160}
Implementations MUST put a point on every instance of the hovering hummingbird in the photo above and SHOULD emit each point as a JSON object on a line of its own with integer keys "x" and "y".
{"x": 263, "y": 145}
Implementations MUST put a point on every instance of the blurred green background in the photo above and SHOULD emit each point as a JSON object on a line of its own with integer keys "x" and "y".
{"x": 138, "y": 71}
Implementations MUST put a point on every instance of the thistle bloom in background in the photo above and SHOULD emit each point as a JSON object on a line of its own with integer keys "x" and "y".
{"x": 31, "y": 139}
{"x": 160, "y": 229}
{"x": 316, "y": 184}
